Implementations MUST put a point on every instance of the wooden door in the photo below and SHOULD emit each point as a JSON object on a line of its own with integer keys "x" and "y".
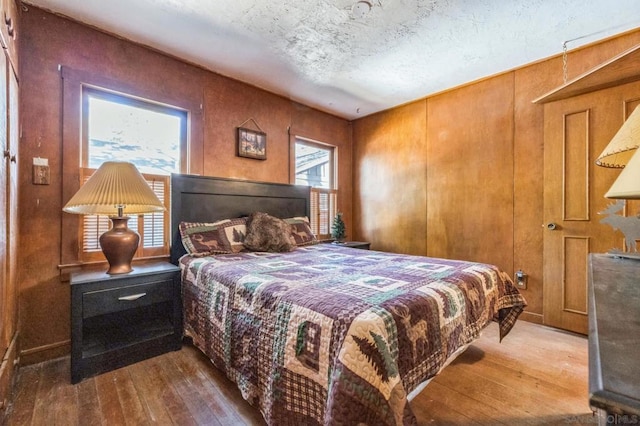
{"x": 13, "y": 135}
{"x": 7, "y": 289}
{"x": 9, "y": 140}
{"x": 576, "y": 131}
{"x": 4, "y": 288}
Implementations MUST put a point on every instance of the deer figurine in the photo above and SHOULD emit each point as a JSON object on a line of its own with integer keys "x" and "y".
{"x": 629, "y": 226}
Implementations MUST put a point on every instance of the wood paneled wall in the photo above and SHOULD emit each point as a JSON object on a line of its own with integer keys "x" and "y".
{"x": 460, "y": 174}
{"x": 390, "y": 191}
{"x": 48, "y": 41}
{"x": 469, "y": 173}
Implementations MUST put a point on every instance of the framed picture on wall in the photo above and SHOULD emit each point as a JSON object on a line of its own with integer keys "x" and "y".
{"x": 252, "y": 144}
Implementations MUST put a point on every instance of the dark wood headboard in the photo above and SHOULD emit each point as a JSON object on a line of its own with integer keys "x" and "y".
{"x": 208, "y": 199}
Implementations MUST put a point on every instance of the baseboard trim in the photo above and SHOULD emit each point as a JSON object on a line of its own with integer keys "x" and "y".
{"x": 45, "y": 352}
{"x": 531, "y": 317}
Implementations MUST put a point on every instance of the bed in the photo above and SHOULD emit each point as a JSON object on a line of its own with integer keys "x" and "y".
{"x": 326, "y": 334}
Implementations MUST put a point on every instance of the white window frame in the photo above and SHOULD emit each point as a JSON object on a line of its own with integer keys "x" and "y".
{"x": 92, "y": 226}
{"x": 323, "y": 200}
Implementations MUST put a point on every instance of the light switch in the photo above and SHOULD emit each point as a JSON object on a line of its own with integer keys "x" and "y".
{"x": 41, "y": 173}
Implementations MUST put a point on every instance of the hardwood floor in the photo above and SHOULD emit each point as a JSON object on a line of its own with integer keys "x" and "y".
{"x": 536, "y": 376}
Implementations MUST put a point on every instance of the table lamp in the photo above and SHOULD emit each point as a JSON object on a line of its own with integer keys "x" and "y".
{"x": 623, "y": 144}
{"x": 115, "y": 187}
{"x": 623, "y": 152}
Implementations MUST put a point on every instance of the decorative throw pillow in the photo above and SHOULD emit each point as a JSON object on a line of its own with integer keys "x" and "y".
{"x": 268, "y": 233}
{"x": 204, "y": 239}
{"x": 301, "y": 231}
{"x": 235, "y": 231}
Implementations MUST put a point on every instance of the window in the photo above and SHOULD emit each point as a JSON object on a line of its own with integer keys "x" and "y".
{"x": 315, "y": 167}
{"x": 149, "y": 135}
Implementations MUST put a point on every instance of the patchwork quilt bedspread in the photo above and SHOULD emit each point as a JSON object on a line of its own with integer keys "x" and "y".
{"x": 332, "y": 335}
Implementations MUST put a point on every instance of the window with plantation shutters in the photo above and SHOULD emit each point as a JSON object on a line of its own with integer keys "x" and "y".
{"x": 149, "y": 135}
{"x": 315, "y": 167}
{"x": 323, "y": 210}
{"x": 155, "y": 225}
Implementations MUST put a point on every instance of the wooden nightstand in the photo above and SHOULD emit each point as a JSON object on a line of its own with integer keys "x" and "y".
{"x": 117, "y": 320}
{"x": 355, "y": 244}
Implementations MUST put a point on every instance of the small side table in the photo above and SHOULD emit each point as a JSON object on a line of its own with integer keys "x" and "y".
{"x": 118, "y": 320}
{"x": 354, "y": 244}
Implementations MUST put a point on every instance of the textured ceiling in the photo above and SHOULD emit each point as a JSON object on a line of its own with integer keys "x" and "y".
{"x": 353, "y": 58}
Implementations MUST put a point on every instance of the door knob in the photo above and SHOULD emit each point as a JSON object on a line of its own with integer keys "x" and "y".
{"x": 551, "y": 226}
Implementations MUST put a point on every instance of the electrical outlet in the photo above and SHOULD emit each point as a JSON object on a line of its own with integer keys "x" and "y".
{"x": 521, "y": 279}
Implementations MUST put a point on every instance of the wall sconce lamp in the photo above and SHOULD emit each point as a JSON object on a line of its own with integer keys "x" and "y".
{"x": 115, "y": 187}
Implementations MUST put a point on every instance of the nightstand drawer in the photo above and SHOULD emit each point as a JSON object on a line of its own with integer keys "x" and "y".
{"x": 128, "y": 297}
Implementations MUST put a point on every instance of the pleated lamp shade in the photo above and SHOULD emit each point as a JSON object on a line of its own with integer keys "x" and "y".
{"x": 115, "y": 187}
{"x": 115, "y": 184}
{"x": 624, "y": 143}
{"x": 627, "y": 186}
